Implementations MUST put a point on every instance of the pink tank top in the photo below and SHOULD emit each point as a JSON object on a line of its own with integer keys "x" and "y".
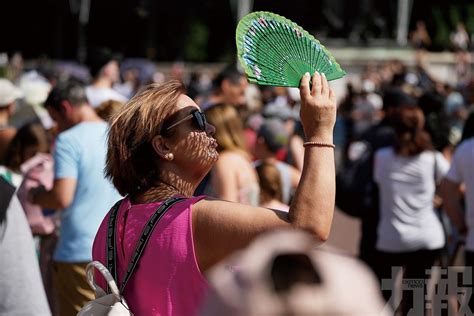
{"x": 167, "y": 279}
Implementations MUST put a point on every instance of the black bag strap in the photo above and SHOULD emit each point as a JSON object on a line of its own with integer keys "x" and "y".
{"x": 110, "y": 250}
{"x": 145, "y": 236}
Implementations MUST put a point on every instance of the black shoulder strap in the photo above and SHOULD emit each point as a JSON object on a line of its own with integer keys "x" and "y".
{"x": 145, "y": 236}
{"x": 110, "y": 250}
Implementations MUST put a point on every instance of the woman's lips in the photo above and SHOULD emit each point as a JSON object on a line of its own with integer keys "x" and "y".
{"x": 213, "y": 143}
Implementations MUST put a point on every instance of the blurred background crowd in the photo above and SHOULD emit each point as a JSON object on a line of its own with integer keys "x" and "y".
{"x": 410, "y": 87}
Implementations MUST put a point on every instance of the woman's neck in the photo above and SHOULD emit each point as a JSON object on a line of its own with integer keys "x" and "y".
{"x": 87, "y": 114}
{"x": 164, "y": 189}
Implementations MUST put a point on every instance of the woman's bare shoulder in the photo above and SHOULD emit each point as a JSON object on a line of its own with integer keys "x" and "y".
{"x": 232, "y": 157}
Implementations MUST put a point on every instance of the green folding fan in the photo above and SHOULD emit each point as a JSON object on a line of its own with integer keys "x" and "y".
{"x": 277, "y": 52}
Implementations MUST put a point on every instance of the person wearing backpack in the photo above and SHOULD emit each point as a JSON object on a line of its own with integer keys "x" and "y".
{"x": 409, "y": 233}
{"x": 356, "y": 191}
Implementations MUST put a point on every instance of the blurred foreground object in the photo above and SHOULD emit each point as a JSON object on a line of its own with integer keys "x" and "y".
{"x": 283, "y": 273}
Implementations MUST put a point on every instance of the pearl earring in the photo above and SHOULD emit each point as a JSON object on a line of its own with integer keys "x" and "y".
{"x": 169, "y": 156}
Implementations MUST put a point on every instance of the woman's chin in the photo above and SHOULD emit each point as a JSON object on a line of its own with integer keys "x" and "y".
{"x": 214, "y": 155}
{"x": 206, "y": 161}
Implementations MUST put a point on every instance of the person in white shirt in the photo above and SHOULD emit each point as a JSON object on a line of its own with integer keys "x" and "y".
{"x": 104, "y": 68}
{"x": 461, "y": 174}
{"x": 459, "y": 178}
{"x": 410, "y": 234}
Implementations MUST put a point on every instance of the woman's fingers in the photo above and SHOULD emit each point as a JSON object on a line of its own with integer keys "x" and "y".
{"x": 304, "y": 86}
{"x": 324, "y": 85}
{"x": 319, "y": 91}
{"x": 332, "y": 95}
{"x": 316, "y": 89}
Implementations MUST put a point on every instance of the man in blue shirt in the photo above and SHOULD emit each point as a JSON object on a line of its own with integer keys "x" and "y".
{"x": 80, "y": 191}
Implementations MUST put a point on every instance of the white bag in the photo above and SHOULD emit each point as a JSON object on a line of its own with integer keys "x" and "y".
{"x": 105, "y": 304}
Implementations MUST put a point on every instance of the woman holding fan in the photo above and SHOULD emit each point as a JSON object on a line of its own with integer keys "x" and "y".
{"x": 160, "y": 146}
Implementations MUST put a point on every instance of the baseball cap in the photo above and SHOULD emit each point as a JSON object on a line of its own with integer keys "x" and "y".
{"x": 274, "y": 133}
{"x": 8, "y": 92}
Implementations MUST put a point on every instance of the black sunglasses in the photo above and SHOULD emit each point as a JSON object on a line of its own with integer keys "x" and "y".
{"x": 199, "y": 119}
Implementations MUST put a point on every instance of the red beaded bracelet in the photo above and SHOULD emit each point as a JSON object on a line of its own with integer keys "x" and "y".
{"x": 319, "y": 144}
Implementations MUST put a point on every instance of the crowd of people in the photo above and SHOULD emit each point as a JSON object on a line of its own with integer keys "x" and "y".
{"x": 405, "y": 133}
{"x": 246, "y": 159}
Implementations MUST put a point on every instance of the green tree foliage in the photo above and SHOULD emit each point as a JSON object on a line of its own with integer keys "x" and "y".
{"x": 441, "y": 36}
{"x": 470, "y": 19}
{"x": 195, "y": 47}
{"x": 454, "y": 15}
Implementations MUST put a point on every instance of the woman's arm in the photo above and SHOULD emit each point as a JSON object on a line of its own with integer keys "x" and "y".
{"x": 297, "y": 151}
{"x": 220, "y": 228}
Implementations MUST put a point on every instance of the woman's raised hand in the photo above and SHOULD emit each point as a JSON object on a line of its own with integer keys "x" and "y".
{"x": 318, "y": 108}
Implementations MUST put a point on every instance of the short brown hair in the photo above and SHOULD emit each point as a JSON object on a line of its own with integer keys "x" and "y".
{"x": 131, "y": 160}
{"x": 411, "y": 138}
